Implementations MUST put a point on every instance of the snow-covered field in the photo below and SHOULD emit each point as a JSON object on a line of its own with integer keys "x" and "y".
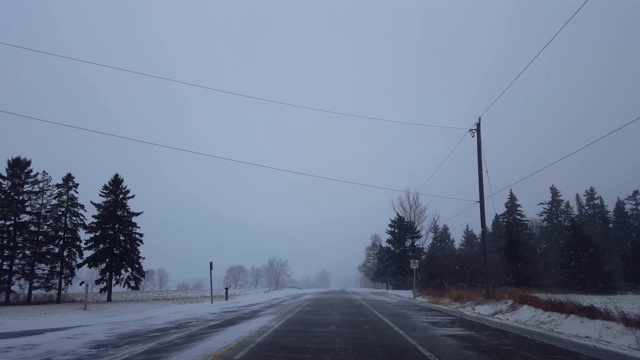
{"x": 605, "y": 334}
{"x": 103, "y": 320}
{"x": 120, "y": 296}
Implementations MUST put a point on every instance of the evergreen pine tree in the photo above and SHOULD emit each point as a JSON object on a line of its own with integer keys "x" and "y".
{"x": 384, "y": 264}
{"x": 568, "y": 214}
{"x": 580, "y": 210}
{"x": 495, "y": 253}
{"x": 470, "y": 256}
{"x": 596, "y": 222}
{"x": 441, "y": 258}
{"x": 68, "y": 222}
{"x": 554, "y": 221}
{"x": 403, "y": 242}
{"x": 596, "y": 218}
{"x": 115, "y": 240}
{"x": 36, "y": 254}
{"x": 17, "y": 192}
{"x": 620, "y": 236}
{"x": 516, "y": 252}
{"x": 631, "y": 254}
{"x": 582, "y": 262}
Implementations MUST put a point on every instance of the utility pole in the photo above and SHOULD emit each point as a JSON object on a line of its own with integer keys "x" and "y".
{"x": 483, "y": 220}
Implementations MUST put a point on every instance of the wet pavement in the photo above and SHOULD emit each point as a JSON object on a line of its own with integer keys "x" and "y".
{"x": 365, "y": 325}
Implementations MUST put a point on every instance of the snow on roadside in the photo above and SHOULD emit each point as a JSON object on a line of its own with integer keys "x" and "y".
{"x": 108, "y": 320}
{"x": 601, "y": 333}
{"x": 29, "y": 317}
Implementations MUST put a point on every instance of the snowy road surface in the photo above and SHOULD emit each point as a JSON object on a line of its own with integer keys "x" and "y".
{"x": 279, "y": 325}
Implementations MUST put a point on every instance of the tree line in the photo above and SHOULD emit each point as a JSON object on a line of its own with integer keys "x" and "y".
{"x": 274, "y": 274}
{"x": 580, "y": 246}
{"x": 41, "y": 229}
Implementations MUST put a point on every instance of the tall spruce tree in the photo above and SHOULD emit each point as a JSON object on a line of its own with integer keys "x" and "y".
{"x": 631, "y": 254}
{"x": 620, "y": 236}
{"x": 38, "y": 246}
{"x": 495, "y": 252}
{"x": 403, "y": 242}
{"x": 68, "y": 222}
{"x": 568, "y": 214}
{"x": 583, "y": 262}
{"x": 440, "y": 265}
{"x": 115, "y": 240}
{"x": 516, "y": 239}
{"x": 596, "y": 222}
{"x": 384, "y": 265}
{"x": 17, "y": 191}
{"x": 470, "y": 257}
{"x": 554, "y": 228}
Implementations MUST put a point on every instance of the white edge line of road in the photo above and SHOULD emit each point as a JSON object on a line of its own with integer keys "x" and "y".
{"x": 409, "y": 339}
{"x": 258, "y": 340}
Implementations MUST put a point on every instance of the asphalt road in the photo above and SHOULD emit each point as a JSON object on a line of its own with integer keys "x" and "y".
{"x": 364, "y": 325}
{"x": 326, "y": 325}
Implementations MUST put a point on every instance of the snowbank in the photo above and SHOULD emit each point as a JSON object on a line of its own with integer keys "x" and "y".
{"x": 606, "y": 334}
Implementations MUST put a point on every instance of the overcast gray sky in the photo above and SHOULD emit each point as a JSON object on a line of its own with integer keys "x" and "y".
{"x": 430, "y": 62}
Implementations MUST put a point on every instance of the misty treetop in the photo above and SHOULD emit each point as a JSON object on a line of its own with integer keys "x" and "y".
{"x": 41, "y": 224}
{"x": 585, "y": 248}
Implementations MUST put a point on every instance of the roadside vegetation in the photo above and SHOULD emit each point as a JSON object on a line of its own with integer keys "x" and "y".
{"x": 562, "y": 304}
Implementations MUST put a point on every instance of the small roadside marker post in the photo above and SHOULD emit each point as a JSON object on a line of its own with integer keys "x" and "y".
{"x": 86, "y": 294}
{"x": 414, "y": 266}
{"x": 211, "y": 279}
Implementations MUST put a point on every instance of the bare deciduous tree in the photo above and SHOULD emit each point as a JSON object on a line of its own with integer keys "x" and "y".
{"x": 236, "y": 276}
{"x": 368, "y": 267}
{"x": 411, "y": 208}
{"x": 256, "y": 274}
{"x": 276, "y": 272}
{"x": 149, "y": 280}
{"x": 183, "y": 286}
{"x": 162, "y": 279}
{"x": 199, "y": 285}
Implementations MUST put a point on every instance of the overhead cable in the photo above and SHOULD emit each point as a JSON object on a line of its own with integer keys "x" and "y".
{"x": 194, "y": 152}
{"x": 564, "y": 157}
{"x": 228, "y": 92}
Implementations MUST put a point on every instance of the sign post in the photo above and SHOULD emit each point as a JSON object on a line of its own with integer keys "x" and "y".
{"x": 86, "y": 294}
{"x": 414, "y": 266}
{"x": 211, "y": 279}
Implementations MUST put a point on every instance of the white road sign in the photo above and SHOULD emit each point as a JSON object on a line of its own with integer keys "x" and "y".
{"x": 414, "y": 264}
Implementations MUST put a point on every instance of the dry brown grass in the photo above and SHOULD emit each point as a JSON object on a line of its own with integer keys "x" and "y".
{"x": 521, "y": 297}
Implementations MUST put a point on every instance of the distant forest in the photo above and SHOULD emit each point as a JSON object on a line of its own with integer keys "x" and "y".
{"x": 582, "y": 247}
{"x": 41, "y": 224}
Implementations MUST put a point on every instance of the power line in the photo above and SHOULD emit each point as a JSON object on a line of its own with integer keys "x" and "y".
{"x": 505, "y": 90}
{"x": 534, "y": 58}
{"x": 486, "y": 169}
{"x": 229, "y": 92}
{"x": 460, "y": 213}
{"x": 221, "y": 157}
{"x": 564, "y": 157}
{"x": 443, "y": 161}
